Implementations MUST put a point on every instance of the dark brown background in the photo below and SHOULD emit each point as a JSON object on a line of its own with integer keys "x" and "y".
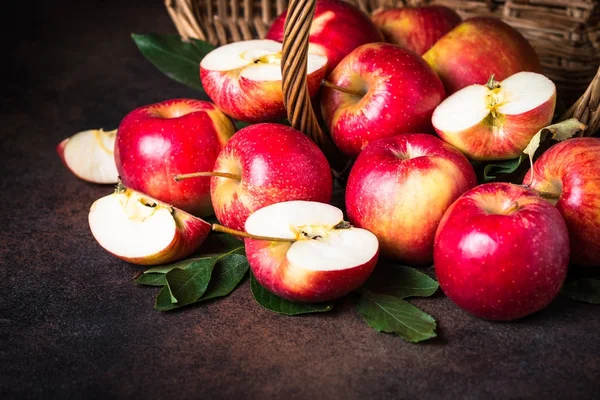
{"x": 74, "y": 325}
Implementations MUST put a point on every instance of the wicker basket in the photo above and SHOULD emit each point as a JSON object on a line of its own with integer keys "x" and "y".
{"x": 564, "y": 33}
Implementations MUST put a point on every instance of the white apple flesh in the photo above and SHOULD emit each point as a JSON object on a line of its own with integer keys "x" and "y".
{"x": 141, "y": 230}
{"x": 89, "y": 155}
{"x": 498, "y": 120}
{"x": 244, "y": 79}
{"x": 324, "y": 258}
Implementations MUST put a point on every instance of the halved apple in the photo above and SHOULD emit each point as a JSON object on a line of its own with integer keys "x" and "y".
{"x": 319, "y": 256}
{"x": 496, "y": 121}
{"x": 244, "y": 79}
{"x": 90, "y": 155}
{"x": 142, "y": 230}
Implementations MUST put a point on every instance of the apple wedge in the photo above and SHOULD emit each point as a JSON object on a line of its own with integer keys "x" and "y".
{"x": 496, "y": 121}
{"x": 317, "y": 256}
{"x": 141, "y": 230}
{"x": 90, "y": 155}
{"x": 244, "y": 79}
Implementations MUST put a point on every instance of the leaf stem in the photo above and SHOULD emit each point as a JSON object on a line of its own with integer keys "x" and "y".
{"x": 181, "y": 177}
{"x": 235, "y": 232}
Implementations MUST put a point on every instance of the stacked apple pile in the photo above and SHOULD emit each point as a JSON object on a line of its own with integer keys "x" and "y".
{"x": 414, "y": 97}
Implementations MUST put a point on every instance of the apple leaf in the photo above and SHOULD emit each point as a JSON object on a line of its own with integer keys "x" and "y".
{"x": 491, "y": 170}
{"x": 391, "y": 314}
{"x": 188, "y": 285}
{"x": 163, "y": 269}
{"x": 281, "y": 306}
{"x": 152, "y": 279}
{"x": 175, "y": 57}
{"x": 228, "y": 273}
{"x": 401, "y": 281}
{"x": 582, "y": 289}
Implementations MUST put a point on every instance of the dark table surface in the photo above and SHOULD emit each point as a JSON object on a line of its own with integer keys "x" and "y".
{"x": 73, "y": 324}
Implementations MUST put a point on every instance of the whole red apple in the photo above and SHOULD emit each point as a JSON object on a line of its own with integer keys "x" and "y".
{"x": 399, "y": 188}
{"x": 268, "y": 163}
{"x": 395, "y": 91}
{"x": 415, "y": 28}
{"x": 568, "y": 175}
{"x": 478, "y": 48}
{"x": 338, "y": 27}
{"x": 501, "y": 252}
{"x": 157, "y": 141}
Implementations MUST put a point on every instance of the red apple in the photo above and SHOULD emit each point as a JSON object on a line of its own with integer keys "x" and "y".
{"x": 395, "y": 92}
{"x": 244, "y": 79}
{"x": 157, "y": 141}
{"x": 568, "y": 175}
{"x": 141, "y": 230}
{"x": 498, "y": 120}
{"x": 415, "y": 28}
{"x": 478, "y": 48}
{"x": 268, "y": 163}
{"x": 89, "y": 155}
{"x": 501, "y": 252}
{"x": 337, "y": 28}
{"x": 399, "y": 188}
{"x": 322, "y": 259}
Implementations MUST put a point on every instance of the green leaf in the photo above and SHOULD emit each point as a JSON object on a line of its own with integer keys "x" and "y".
{"x": 188, "y": 285}
{"x": 183, "y": 264}
{"x": 163, "y": 300}
{"x": 157, "y": 279}
{"x": 274, "y": 303}
{"x": 392, "y": 314}
{"x": 582, "y": 289}
{"x": 401, "y": 281}
{"x": 491, "y": 170}
{"x": 176, "y": 58}
{"x": 227, "y": 274}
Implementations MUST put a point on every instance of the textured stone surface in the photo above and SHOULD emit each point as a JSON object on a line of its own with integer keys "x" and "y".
{"x": 74, "y": 325}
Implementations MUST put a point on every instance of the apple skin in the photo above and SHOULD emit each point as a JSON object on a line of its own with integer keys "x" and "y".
{"x": 415, "y": 28}
{"x": 402, "y": 92}
{"x": 338, "y": 28}
{"x": 498, "y": 264}
{"x": 399, "y": 188}
{"x": 478, "y": 48}
{"x": 273, "y": 271}
{"x": 570, "y": 171}
{"x": 276, "y": 163}
{"x": 158, "y": 141}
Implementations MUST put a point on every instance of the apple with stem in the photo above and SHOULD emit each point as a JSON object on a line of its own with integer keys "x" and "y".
{"x": 496, "y": 121}
{"x": 379, "y": 90}
{"x": 478, "y": 48}
{"x": 263, "y": 164}
{"x": 89, "y": 155}
{"x": 501, "y": 252}
{"x": 415, "y": 28}
{"x": 304, "y": 251}
{"x": 156, "y": 141}
{"x": 142, "y": 230}
{"x": 338, "y": 27}
{"x": 399, "y": 188}
{"x": 568, "y": 175}
{"x": 244, "y": 79}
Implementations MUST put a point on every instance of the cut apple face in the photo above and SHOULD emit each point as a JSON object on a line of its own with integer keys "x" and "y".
{"x": 90, "y": 155}
{"x": 324, "y": 259}
{"x": 142, "y": 230}
{"x": 244, "y": 79}
{"x": 496, "y": 121}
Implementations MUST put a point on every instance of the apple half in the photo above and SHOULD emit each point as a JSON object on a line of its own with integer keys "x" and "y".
{"x": 496, "y": 121}
{"x": 319, "y": 257}
{"x": 89, "y": 155}
{"x": 142, "y": 230}
{"x": 244, "y": 79}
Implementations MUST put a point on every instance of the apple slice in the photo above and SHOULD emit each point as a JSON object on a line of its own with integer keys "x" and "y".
{"x": 142, "y": 230}
{"x": 315, "y": 255}
{"x": 244, "y": 79}
{"x": 90, "y": 155}
{"x": 496, "y": 121}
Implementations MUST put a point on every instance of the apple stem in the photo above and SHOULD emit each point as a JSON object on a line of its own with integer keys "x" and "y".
{"x": 235, "y": 232}
{"x": 514, "y": 206}
{"x": 181, "y": 177}
{"x": 343, "y": 89}
{"x": 541, "y": 193}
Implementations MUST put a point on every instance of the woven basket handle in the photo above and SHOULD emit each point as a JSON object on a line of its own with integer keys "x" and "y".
{"x": 293, "y": 69}
{"x": 587, "y": 108}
